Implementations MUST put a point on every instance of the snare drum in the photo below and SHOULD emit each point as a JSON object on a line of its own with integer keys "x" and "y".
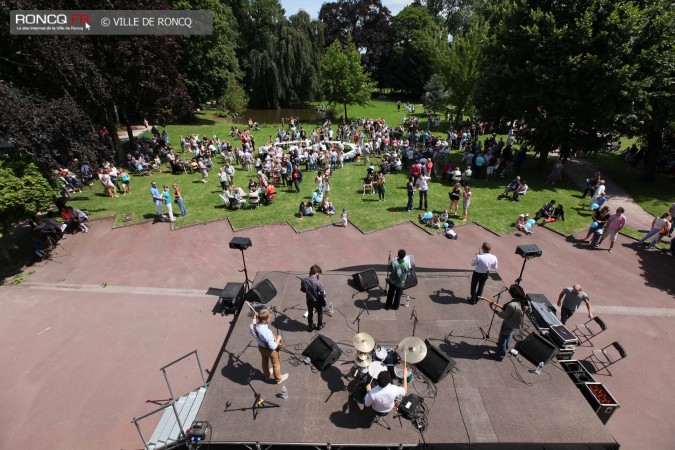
{"x": 375, "y": 368}
{"x": 398, "y": 371}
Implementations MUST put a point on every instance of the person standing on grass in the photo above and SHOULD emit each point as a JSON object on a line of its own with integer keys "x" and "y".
{"x": 344, "y": 216}
{"x": 411, "y": 193}
{"x": 222, "y": 177}
{"x": 615, "y": 223}
{"x": 167, "y": 201}
{"x": 157, "y": 199}
{"x": 423, "y": 187}
{"x": 297, "y": 179}
{"x": 380, "y": 186}
{"x": 202, "y": 169}
{"x": 466, "y": 202}
{"x": 179, "y": 199}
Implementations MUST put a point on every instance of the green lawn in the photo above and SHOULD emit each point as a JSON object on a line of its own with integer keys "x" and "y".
{"x": 204, "y": 204}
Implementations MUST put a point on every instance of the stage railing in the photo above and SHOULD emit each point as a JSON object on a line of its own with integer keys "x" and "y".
{"x": 199, "y": 365}
{"x": 170, "y": 404}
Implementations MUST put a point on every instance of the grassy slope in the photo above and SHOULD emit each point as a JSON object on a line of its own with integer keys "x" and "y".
{"x": 203, "y": 203}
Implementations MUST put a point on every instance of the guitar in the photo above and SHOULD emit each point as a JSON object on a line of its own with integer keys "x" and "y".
{"x": 493, "y": 305}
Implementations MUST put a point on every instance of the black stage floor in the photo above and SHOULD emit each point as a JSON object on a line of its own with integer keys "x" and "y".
{"x": 485, "y": 403}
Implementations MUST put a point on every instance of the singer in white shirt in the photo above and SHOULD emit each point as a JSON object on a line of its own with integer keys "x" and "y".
{"x": 484, "y": 262}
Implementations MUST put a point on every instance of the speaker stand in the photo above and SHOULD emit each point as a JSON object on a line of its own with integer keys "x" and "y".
{"x": 247, "y": 282}
{"x": 522, "y": 269}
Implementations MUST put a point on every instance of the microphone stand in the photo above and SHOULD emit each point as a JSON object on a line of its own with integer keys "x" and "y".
{"x": 486, "y": 334}
{"x": 414, "y": 315}
{"x": 357, "y": 321}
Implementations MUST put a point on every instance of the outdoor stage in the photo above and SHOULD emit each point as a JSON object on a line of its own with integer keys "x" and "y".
{"x": 484, "y": 403}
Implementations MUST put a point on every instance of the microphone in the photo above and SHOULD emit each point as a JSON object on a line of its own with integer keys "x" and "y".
{"x": 412, "y": 314}
{"x": 298, "y": 277}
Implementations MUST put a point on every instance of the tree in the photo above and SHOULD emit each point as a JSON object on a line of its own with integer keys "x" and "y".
{"x": 131, "y": 75}
{"x": 456, "y": 15}
{"x": 367, "y": 22}
{"x": 344, "y": 81}
{"x": 209, "y": 65}
{"x": 282, "y": 54}
{"x": 436, "y": 98}
{"x": 417, "y": 41}
{"x": 653, "y": 111}
{"x": 51, "y": 132}
{"x": 461, "y": 66}
{"x": 562, "y": 67}
{"x": 24, "y": 191}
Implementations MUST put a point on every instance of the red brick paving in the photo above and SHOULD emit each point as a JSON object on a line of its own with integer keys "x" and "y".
{"x": 78, "y": 384}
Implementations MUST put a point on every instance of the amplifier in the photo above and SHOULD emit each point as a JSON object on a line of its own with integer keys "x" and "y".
{"x": 231, "y": 298}
{"x": 600, "y": 400}
{"x": 408, "y": 406}
{"x": 562, "y": 336}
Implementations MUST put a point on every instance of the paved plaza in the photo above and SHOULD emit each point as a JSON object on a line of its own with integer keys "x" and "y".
{"x": 85, "y": 336}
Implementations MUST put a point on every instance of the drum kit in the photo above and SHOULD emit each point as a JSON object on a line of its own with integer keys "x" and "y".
{"x": 371, "y": 360}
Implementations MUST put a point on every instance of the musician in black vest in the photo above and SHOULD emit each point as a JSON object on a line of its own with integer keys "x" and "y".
{"x": 268, "y": 345}
{"x": 316, "y": 298}
{"x": 512, "y": 313}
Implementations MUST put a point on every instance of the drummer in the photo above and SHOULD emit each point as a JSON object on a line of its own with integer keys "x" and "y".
{"x": 382, "y": 397}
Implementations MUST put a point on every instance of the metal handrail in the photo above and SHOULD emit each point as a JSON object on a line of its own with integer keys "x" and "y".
{"x": 199, "y": 364}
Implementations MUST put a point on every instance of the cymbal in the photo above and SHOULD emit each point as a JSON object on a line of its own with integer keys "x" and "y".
{"x": 412, "y": 349}
{"x": 363, "y": 360}
{"x": 363, "y": 342}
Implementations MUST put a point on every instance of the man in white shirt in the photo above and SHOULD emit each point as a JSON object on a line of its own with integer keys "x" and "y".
{"x": 423, "y": 187}
{"x": 382, "y": 397}
{"x": 484, "y": 262}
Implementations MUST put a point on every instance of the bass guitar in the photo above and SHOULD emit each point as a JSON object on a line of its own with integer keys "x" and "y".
{"x": 493, "y": 305}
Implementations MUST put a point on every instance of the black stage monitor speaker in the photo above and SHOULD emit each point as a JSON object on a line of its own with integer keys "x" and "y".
{"x": 437, "y": 364}
{"x": 240, "y": 243}
{"x": 366, "y": 280}
{"x": 262, "y": 292}
{"x": 231, "y": 298}
{"x": 536, "y": 348}
{"x": 411, "y": 280}
{"x": 528, "y": 250}
{"x": 322, "y": 352}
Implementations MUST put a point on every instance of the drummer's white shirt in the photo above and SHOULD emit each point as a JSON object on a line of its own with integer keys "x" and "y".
{"x": 382, "y": 399}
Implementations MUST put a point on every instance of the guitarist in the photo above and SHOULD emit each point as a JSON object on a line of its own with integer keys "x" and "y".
{"x": 512, "y": 313}
{"x": 397, "y": 276}
{"x": 268, "y": 345}
{"x": 316, "y": 297}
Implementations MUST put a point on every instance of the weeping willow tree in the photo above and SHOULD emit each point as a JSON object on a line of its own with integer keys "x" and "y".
{"x": 284, "y": 67}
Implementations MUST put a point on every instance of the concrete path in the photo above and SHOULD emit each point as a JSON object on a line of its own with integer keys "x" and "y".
{"x": 85, "y": 336}
{"x": 578, "y": 170}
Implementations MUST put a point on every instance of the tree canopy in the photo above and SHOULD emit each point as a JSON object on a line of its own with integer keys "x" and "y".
{"x": 344, "y": 81}
{"x": 561, "y": 67}
{"x": 367, "y": 22}
{"x": 417, "y": 41}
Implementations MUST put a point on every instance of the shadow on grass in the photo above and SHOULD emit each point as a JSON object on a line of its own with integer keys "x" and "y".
{"x": 199, "y": 119}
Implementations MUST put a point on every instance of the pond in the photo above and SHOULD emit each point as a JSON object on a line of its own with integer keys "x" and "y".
{"x": 273, "y": 116}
